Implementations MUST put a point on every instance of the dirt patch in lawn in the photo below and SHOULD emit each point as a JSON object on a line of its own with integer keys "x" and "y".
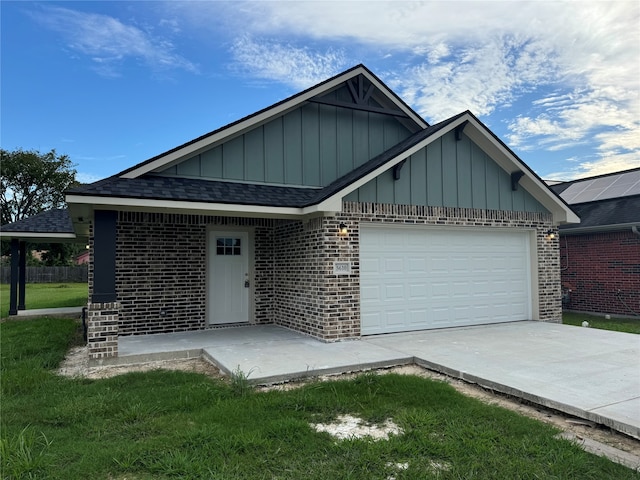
{"x": 76, "y": 364}
{"x": 347, "y": 427}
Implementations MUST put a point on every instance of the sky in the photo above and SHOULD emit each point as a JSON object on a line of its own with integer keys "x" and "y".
{"x": 112, "y": 84}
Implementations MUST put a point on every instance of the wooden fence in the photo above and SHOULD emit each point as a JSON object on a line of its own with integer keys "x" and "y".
{"x": 76, "y": 274}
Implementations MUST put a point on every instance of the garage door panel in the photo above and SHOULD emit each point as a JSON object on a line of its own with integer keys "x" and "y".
{"x": 419, "y": 278}
{"x": 394, "y": 292}
{"x": 417, "y": 292}
{"x": 371, "y": 292}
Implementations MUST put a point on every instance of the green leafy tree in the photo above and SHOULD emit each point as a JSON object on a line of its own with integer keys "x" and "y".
{"x": 33, "y": 182}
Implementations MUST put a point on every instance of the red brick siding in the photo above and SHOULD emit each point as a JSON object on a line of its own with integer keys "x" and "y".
{"x": 602, "y": 270}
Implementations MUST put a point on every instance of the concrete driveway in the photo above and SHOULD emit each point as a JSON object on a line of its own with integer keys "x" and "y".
{"x": 592, "y": 374}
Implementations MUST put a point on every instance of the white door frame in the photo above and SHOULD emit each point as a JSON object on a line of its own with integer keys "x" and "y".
{"x": 248, "y": 254}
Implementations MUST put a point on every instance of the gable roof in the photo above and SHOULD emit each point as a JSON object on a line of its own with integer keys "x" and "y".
{"x": 604, "y": 202}
{"x": 235, "y": 128}
{"x": 225, "y": 197}
{"x": 150, "y": 192}
{"x": 46, "y": 227}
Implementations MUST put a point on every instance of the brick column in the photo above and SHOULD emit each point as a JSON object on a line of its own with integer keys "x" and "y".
{"x": 102, "y": 332}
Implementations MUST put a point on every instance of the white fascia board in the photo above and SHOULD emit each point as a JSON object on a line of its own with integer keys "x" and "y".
{"x": 38, "y": 236}
{"x": 200, "y": 208}
{"x": 336, "y": 199}
{"x": 509, "y": 163}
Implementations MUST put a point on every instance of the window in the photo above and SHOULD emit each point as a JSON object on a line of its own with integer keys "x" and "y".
{"x": 228, "y": 246}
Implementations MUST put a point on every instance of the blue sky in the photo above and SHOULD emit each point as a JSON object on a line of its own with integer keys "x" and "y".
{"x": 112, "y": 84}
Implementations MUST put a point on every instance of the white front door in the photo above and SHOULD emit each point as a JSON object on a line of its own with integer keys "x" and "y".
{"x": 229, "y": 282}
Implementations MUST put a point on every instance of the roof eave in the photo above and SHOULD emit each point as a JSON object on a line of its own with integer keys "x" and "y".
{"x": 83, "y": 206}
{"x": 509, "y": 162}
{"x": 40, "y": 237}
{"x": 599, "y": 228}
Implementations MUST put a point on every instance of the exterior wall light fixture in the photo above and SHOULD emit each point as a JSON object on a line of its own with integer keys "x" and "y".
{"x": 551, "y": 234}
{"x": 343, "y": 230}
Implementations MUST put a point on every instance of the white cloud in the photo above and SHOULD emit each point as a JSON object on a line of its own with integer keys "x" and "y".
{"x": 298, "y": 67}
{"x": 84, "y": 177}
{"x": 108, "y": 41}
{"x": 476, "y": 77}
{"x": 484, "y": 56}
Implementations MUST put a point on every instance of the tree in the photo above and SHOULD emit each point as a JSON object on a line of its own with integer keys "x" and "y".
{"x": 33, "y": 182}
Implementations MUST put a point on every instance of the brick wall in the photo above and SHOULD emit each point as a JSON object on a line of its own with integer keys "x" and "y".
{"x": 102, "y": 331}
{"x": 161, "y": 273}
{"x": 602, "y": 270}
{"x": 308, "y": 296}
{"x": 311, "y": 299}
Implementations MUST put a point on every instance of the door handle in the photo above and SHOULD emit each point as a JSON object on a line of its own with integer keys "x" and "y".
{"x": 246, "y": 284}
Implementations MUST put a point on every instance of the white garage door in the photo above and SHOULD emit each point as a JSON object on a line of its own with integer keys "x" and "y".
{"x": 415, "y": 278}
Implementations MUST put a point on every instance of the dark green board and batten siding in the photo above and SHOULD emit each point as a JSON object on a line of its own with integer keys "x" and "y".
{"x": 288, "y": 150}
{"x": 449, "y": 173}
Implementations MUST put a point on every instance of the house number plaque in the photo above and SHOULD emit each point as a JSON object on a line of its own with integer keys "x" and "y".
{"x": 342, "y": 268}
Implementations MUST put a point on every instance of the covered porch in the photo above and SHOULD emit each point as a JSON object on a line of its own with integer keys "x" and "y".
{"x": 52, "y": 226}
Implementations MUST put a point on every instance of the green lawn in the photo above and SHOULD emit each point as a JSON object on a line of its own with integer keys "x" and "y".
{"x": 47, "y": 295}
{"x": 178, "y": 425}
{"x": 628, "y": 325}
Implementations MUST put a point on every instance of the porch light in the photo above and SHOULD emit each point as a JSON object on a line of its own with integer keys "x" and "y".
{"x": 343, "y": 230}
{"x": 551, "y": 234}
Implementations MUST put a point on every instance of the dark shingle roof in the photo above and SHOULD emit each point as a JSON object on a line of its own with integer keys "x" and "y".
{"x": 52, "y": 221}
{"x": 606, "y": 213}
{"x": 153, "y": 187}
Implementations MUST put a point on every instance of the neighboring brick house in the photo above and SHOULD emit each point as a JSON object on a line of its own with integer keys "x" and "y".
{"x": 337, "y": 212}
{"x": 600, "y": 257}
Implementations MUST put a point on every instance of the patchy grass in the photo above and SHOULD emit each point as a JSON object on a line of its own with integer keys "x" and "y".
{"x": 166, "y": 425}
{"x": 627, "y": 325}
{"x": 47, "y": 295}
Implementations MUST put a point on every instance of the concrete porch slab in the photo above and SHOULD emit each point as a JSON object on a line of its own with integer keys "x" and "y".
{"x": 266, "y": 353}
{"x": 50, "y": 312}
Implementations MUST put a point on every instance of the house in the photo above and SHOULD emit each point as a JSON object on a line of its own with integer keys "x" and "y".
{"x": 82, "y": 259}
{"x": 338, "y": 212}
{"x": 600, "y": 257}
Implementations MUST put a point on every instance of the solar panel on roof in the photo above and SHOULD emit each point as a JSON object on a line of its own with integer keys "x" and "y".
{"x": 611, "y": 186}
